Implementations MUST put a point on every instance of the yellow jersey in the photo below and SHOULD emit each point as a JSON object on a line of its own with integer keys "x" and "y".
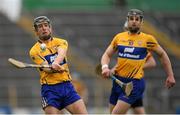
{"x": 39, "y": 55}
{"x": 132, "y": 52}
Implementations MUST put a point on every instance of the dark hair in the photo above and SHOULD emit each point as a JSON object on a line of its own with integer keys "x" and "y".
{"x": 137, "y": 12}
{"x": 39, "y": 20}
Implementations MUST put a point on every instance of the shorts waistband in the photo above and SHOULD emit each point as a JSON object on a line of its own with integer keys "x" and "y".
{"x": 125, "y": 79}
{"x": 63, "y": 82}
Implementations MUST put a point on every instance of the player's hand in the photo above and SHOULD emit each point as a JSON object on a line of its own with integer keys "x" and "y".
{"x": 113, "y": 71}
{"x": 106, "y": 72}
{"x": 170, "y": 82}
{"x": 57, "y": 67}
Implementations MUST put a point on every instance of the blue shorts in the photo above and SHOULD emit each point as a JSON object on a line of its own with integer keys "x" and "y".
{"x": 58, "y": 95}
{"x": 118, "y": 94}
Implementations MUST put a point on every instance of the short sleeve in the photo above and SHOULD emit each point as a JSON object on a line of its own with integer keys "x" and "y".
{"x": 114, "y": 42}
{"x": 151, "y": 43}
{"x": 63, "y": 44}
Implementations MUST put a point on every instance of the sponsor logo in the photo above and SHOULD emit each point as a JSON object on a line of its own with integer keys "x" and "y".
{"x": 131, "y": 42}
{"x": 129, "y": 50}
{"x": 129, "y": 55}
{"x": 132, "y": 52}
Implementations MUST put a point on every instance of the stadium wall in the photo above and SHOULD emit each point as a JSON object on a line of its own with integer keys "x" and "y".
{"x": 155, "y": 5}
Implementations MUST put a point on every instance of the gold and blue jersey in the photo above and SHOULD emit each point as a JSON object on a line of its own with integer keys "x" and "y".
{"x": 132, "y": 52}
{"x": 48, "y": 54}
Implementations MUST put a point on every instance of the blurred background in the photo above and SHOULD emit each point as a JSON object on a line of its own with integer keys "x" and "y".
{"x": 88, "y": 26}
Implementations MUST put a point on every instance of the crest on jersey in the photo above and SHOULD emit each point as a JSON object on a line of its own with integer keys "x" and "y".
{"x": 131, "y": 42}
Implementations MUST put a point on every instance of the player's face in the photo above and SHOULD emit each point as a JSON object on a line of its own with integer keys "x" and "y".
{"x": 43, "y": 31}
{"x": 134, "y": 23}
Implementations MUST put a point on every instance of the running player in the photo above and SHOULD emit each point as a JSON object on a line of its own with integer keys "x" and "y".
{"x": 137, "y": 107}
{"x": 57, "y": 90}
{"x": 132, "y": 48}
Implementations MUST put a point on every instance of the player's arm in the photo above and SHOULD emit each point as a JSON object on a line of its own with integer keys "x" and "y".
{"x": 105, "y": 60}
{"x": 170, "y": 81}
{"x": 60, "y": 57}
{"x": 150, "y": 62}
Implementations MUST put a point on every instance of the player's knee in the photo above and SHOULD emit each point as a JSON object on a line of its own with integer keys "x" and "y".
{"x": 77, "y": 107}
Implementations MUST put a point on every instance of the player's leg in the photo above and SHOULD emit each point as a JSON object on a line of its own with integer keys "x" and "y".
{"x": 116, "y": 92}
{"x": 121, "y": 107}
{"x": 77, "y": 107}
{"x": 72, "y": 101}
{"x": 52, "y": 110}
{"x": 137, "y": 107}
{"x": 139, "y": 110}
{"x": 117, "y": 106}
